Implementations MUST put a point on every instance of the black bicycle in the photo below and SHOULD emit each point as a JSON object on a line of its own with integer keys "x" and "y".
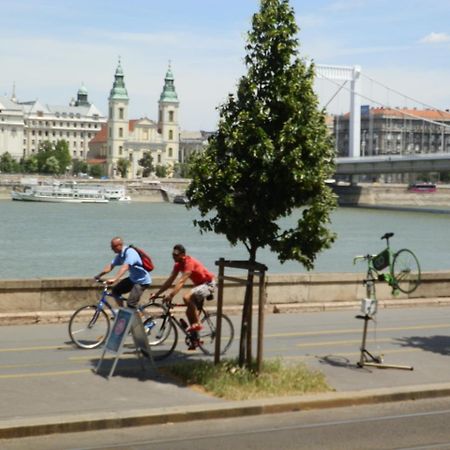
{"x": 162, "y": 327}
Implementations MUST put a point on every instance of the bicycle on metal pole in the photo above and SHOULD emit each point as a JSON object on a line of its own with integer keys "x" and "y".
{"x": 403, "y": 274}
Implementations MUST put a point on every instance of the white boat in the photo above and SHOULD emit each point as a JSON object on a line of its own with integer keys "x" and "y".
{"x": 66, "y": 192}
{"x": 116, "y": 193}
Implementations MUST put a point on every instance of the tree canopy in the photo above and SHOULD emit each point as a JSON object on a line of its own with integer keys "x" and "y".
{"x": 272, "y": 152}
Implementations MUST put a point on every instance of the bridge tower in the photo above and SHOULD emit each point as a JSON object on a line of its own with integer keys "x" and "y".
{"x": 352, "y": 74}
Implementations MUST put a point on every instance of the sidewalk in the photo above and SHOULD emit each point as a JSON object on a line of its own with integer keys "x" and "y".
{"x": 60, "y": 401}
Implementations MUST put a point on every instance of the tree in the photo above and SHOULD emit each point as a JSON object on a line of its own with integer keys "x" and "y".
{"x": 95, "y": 170}
{"x": 79, "y": 166}
{"x": 270, "y": 156}
{"x": 161, "y": 171}
{"x": 62, "y": 154}
{"x": 8, "y": 164}
{"x": 146, "y": 162}
{"x": 51, "y": 165}
{"x": 122, "y": 166}
{"x": 30, "y": 164}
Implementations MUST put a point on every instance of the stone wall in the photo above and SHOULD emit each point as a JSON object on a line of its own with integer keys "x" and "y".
{"x": 46, "y": 295}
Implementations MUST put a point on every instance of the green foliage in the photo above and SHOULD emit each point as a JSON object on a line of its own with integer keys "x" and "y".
{"x": 271, "y": 154}
{"x": 79, "y": 166}
{"x": 8, "y": 164}
{"x": 96, "y": 171}
{"x": 182, "y": 170}
{"x": 146, "y": 162}
{"x": 53, "y": 158}
{"x": 51, "y": 166}
{"x": 122, "y": 166}
{"x": 161, "y": 171}
{"x": 228, "y": 380}
{"x": 30, "y": 164}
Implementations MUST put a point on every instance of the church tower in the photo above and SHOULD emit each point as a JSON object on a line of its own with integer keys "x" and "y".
{"x": 117, "y": 122}
{"x": 168, "y": 125}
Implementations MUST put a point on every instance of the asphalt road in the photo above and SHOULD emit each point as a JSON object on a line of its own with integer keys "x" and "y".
{"x": 329, "y": 341}
{"x": 405, "y": 425}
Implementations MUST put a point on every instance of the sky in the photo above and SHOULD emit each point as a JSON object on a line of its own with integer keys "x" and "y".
{"x": 49, "y": 48}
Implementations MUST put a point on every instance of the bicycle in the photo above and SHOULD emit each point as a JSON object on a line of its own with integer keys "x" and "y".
{"x": 89, "y": 325}
{"x": 164, "y": 327}
{"x": 403, "y": 272}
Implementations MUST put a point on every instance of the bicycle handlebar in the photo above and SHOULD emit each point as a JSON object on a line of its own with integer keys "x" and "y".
{"x": 364, "y": 257}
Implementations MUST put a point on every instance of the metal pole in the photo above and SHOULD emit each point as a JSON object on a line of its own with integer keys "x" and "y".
{"x": 261, "y": 301}
{"x": 219, "y": 311}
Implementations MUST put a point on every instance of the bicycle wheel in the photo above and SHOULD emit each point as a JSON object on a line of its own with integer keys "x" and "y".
{"x": 89, "y": 327}
{"x": 406, "y": 271}
{"x": 161, "y": 332}
{"x": 207, "y": 335}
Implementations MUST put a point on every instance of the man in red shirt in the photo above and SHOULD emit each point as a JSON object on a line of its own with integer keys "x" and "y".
{"x": 203, "y": 280}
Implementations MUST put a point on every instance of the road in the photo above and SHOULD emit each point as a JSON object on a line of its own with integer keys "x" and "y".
{"x": 406, "y": 425}
{"x": 328, "y": 341}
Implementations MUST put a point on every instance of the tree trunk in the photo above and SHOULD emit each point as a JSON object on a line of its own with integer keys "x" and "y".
{"x": 245, "y": 344}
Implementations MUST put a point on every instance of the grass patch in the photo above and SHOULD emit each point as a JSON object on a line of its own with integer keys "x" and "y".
{"x": 227, "y": 380}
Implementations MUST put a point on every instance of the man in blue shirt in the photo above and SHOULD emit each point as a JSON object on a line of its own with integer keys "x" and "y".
{"x": 138, "y": 279}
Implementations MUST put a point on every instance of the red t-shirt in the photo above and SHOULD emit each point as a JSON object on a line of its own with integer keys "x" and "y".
{"x": 199, "y": 273}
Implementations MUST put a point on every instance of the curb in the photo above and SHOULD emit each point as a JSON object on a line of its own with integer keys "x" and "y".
{"x": 17, "y": 428}
{"x": 53, "y": 317}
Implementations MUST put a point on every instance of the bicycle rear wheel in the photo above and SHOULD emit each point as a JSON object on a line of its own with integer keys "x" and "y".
{"x": 207, "y": 335}
{"x": 89, "y": 327}
{"x": 161, "y": 332}
{"x": 406, "y": 271}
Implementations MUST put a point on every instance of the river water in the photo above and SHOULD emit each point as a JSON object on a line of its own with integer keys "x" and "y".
{"x": 48, "y": 240}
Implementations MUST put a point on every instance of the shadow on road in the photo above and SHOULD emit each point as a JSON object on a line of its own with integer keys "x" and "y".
{"x": 435, "y": 344}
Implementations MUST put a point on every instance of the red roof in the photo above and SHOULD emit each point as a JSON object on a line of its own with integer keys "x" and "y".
{"x": 101, "y": 136}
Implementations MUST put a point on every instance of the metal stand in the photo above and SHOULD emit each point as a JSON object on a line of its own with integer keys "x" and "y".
{"x": 367, "y": 359}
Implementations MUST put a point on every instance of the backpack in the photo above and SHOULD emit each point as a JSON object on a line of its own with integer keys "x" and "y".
{"x": 147, "y": 262}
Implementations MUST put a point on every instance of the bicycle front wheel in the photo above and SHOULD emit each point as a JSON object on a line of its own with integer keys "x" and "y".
{"x": 207, "y": 335}
{"x": 406, "y": 271}
{"x": 89, "y": 327}
{"x": 161, "y": 332}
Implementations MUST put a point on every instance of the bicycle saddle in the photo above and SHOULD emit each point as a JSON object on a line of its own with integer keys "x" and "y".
{"x": 387, "y": 236}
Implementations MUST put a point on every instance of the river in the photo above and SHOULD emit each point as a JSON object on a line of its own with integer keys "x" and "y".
{"x": 48, "y": 240}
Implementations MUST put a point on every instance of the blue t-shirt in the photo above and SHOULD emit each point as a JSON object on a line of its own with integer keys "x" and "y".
{"x": 138, "y": 275}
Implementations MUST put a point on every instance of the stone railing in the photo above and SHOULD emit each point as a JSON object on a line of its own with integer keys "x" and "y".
{"x": 46, "y": 295}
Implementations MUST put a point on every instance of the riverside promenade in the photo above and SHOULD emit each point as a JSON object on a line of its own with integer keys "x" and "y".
{"x": 49, "y": 386}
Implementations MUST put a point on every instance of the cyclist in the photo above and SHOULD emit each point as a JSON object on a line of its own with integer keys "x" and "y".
{"x": 129, "y": 261}
{"x": 203, "y": 280}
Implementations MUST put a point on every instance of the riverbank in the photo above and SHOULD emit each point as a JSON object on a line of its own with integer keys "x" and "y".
{"x": 144, "y": 190}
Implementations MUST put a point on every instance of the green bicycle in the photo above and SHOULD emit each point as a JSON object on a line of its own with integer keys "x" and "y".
{"x": 403, "y": 269}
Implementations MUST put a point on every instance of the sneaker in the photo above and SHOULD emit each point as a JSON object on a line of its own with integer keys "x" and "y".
{"x": 193, "y": 345}
{"x": 195, "y": 327}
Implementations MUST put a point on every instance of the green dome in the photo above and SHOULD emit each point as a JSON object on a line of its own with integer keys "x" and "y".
{"x": 169, "y": 94}
{"x": 119, "y": 90}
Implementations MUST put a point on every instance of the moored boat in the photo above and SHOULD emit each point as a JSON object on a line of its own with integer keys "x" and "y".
{"x": 66, "y": 192}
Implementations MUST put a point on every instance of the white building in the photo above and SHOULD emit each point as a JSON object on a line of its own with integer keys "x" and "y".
{"x": 130, "y": 139}
{"x": 12, "y": 125}
{"x": 25, "y": 125}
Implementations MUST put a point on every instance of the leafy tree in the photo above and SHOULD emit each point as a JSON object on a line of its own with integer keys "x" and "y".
{"x": 62, "y": 154}
{"x": 95, "y": 171}
{"x": 44, "y": 152}
{"x": 270, "y": 156}
{"x": 122, "y": 166}
{"x": 8, "y": 164}
{"x": 59, "y": 151}
{"x": 161, "y": 171}
{"x": 79, "y": 166}
{"x": 51, "y": 165}
{"x": 146, "y": 162}
{"x": 30, "y": 164}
